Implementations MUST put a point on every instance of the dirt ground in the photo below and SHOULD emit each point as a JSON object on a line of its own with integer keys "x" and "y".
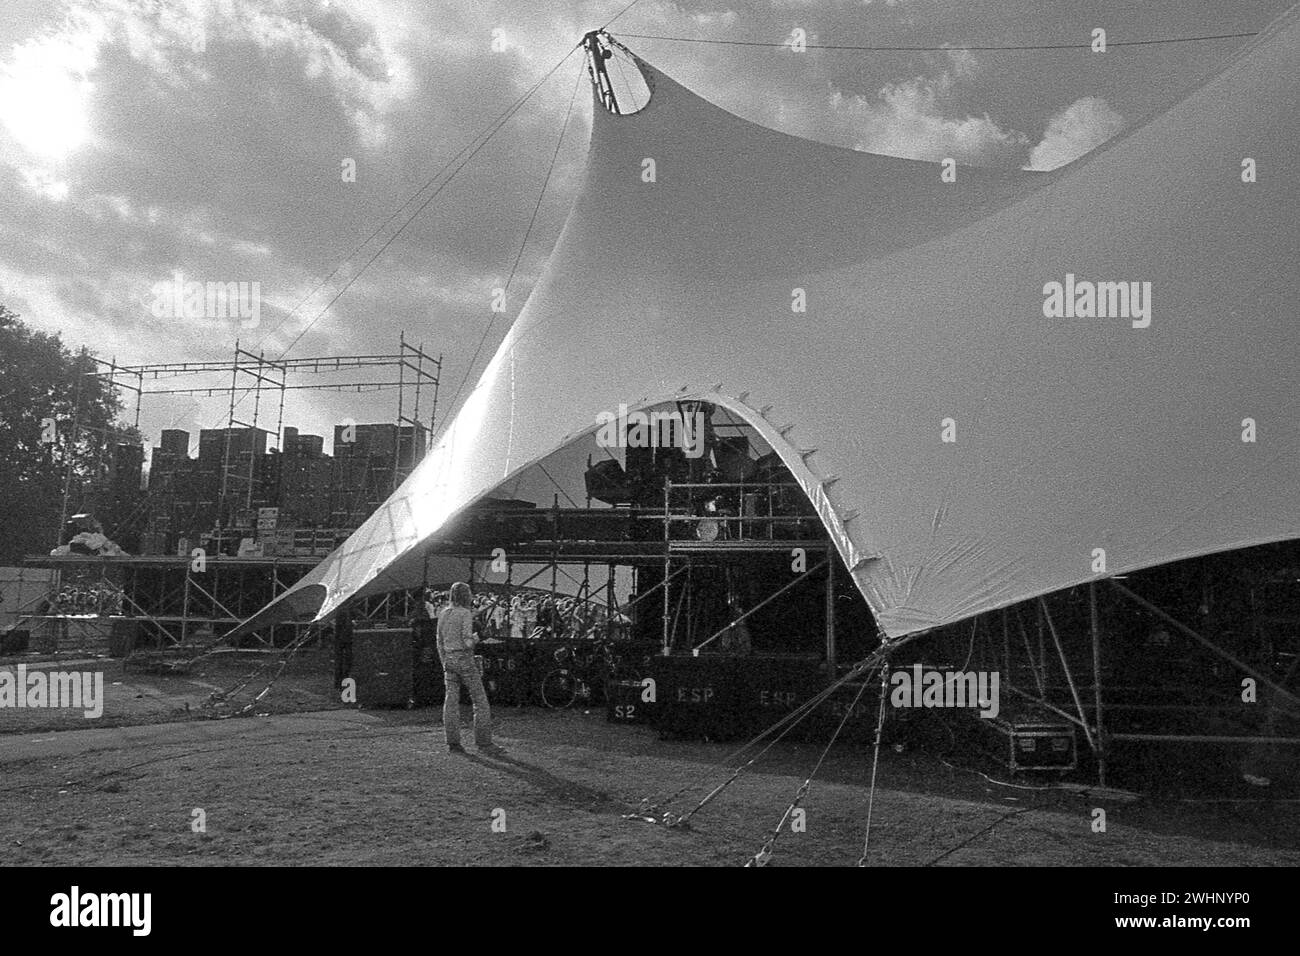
{"x": 302, "y": 779}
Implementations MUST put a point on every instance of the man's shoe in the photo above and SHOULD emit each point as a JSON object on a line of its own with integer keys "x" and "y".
{"x": 493, "y": 750}
{"x": 455, "y": 749}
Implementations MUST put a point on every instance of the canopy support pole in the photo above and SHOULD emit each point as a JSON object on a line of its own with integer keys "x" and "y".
{"x": 688, "y": 594}
{"x": 1042, "y": 643}
{"x": 611, "y": 599}
{"x": 681, "y": 599}
{"x": 597, "y": 54}
{"x": 1006, "y": 646}
{"x": 1096, "y": 681}
{"x": 830, "y": 615}
{"x": 668, "y": 558}
{"x": 185, "y": 606}
{"x": 1183, "y": 628}
{"x": 555, "y": 544}
{"x": 1029, "y": 651}
{"x": 1069, "y": 677}
{"x": 1063, "y": 714}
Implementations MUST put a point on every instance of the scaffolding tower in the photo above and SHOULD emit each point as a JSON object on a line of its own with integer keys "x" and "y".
{"x": 266, "y": 381}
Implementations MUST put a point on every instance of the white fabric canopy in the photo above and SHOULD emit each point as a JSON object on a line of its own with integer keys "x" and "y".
{"x": 925, "y": 302}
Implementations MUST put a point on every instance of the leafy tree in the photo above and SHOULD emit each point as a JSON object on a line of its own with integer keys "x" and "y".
{"x": 41, "y": 379}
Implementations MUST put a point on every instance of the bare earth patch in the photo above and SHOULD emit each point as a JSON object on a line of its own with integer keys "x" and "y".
{"x": 343, "y": 787}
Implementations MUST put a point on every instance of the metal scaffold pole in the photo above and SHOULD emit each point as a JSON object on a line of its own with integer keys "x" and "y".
{"x": 1095, "y": 627}
{"x": 401, "y": 397}
{"x": 225, "y": 454}
{"x": 668, "y": 557}
{"x": 70, "y": 452}
{"x": 433, "y": 412}
{"x": 830, "y": 614}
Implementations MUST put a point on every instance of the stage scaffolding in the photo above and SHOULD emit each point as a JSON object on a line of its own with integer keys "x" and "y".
{"x": 167, "y": 600}
{"x": 423, "y": 368}
{"x": 174, "y": 602}
{"x": 1072, "y": 654}
{"x": 1064, "y": 652}
{"x": 1058, "y": 653}
{"x": 677, "y": 542}
{"x": 414, "y": 374}
{"x": 256, "y": 388}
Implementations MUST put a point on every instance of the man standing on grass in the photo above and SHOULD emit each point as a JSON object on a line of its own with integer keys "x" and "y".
{"x": 456, "y": 642}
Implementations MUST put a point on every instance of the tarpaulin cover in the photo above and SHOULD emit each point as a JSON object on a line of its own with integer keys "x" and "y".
{"x": 925, "y": 320}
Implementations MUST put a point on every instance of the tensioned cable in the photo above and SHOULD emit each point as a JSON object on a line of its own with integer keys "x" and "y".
{"x": 481, "y": 139}
{"x": 469, "y": 369}
{"x": 504, "y": 117}
{"x": 557, "y": 484}
{"x": 391, "y": 239}
{"x": 941, "y": 49}
{"x": 875, "y": 764}
{"x": 618, "y": 61}
{"x": 938, "y": 49}
{"x": 765, "y": 853}
{"x": 975, "y": 836}
{"x": 749, "y": 43}
{"x": 532, "y": 220}
{"x": 619, "y": 14}
{"x": 486, "y": 131}
{"x": 876, "y": 658}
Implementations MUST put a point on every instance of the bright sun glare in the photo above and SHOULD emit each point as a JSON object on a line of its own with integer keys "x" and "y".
{"x": 44, "y": 100}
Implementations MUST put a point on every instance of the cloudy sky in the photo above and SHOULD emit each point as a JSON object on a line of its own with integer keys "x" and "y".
{"x": 144, "y": 138}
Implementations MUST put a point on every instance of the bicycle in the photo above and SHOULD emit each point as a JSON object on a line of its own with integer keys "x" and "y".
{"x": 584, "y": 667}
